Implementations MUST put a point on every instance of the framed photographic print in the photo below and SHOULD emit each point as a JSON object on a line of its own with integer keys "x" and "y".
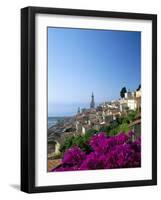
{"x": 88, "y": 99}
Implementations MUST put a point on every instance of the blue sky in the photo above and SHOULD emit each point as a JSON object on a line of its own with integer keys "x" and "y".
{"x": 81, "y": 61}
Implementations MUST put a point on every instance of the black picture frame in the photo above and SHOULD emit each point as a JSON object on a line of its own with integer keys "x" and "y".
{"x": 28, "y": 98}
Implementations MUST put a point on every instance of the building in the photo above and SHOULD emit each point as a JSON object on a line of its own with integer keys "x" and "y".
{"x": 78, "y": 112}
{"x": 138, "y": 93}
{"x": 85, "y": 128}
{"x": 129, "y": 94}
{"x": 123, "y": 106}
{"x": 92, "y": 104}
{"x": 132, "y": 101}
{"x": 138, "y": 99}
{"x": 132, "y": 104}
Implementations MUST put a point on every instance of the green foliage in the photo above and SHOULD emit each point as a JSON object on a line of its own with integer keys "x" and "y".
{"x": 132, "y": 115}
{"x": 67, "y": 143}
{"x": 119, "y": 125}
{"x": 122, "y": 92}
{"x": 124, "y": 128}
{"x": 90, "y": 132}
{"x": 112, "y": 128}
{"x": 121, "y": 128}
{"x": 105, "y": 129}
{"x": 80, "y": 141}
{"x": 122, "y": 123}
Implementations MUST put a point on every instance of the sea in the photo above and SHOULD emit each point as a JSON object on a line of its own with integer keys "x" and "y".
{"x": 60, "y": 111}
{"x": 53, "y": 120}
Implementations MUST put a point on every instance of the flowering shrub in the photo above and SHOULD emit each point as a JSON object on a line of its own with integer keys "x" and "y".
{"x": 74, "y": 156}
{"x": 117, "y": 151}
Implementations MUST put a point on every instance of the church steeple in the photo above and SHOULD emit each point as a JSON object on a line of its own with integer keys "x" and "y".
{"x": 78, "y": 112}
{"x": 92, "y": 104}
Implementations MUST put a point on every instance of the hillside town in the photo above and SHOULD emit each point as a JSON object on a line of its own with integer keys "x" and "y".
{"x": 94, "y": 117}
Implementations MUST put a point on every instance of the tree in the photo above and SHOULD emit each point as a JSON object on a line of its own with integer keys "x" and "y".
{"x": 122, "y": 92}
{"x": 139, "y": 87}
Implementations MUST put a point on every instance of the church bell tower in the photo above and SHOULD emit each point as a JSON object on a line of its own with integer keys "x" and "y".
{"x": 92, "y": 104}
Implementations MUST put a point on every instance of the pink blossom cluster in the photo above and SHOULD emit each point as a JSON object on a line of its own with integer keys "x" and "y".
{"x": 117, "y": 151}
